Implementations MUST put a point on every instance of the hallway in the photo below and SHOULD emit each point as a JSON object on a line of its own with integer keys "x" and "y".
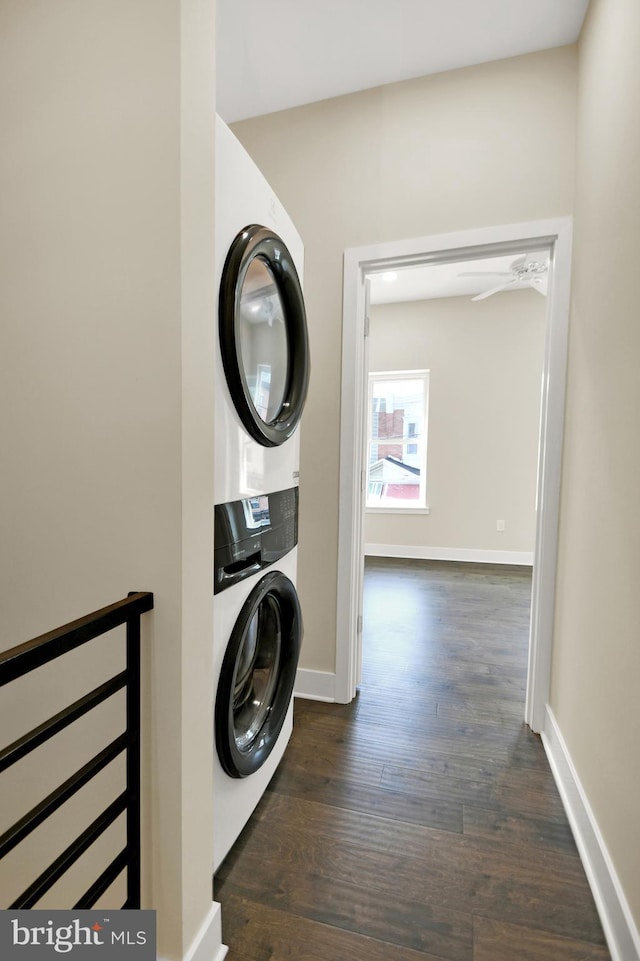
{"x": 421, "y": 822}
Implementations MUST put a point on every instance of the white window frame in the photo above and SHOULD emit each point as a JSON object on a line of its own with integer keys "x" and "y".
{"x": 375, "y": 376}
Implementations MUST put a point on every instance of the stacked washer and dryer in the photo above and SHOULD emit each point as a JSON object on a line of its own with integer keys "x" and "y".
{"x": 261, "y": 385}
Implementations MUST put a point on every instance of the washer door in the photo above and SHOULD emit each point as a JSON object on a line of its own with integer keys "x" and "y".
{"x": 263, "y": 335}
{"x": 258, "y": 674}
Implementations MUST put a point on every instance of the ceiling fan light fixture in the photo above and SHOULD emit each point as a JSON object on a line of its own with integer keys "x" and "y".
{"x": 530, "y": 274}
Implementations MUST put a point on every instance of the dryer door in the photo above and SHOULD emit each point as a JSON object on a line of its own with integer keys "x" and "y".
{"x": 258, "y": 674}
{"x": 263, "y": 335}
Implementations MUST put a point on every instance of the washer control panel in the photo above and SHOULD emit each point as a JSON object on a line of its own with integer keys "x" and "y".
{"x": 253, "y": 533}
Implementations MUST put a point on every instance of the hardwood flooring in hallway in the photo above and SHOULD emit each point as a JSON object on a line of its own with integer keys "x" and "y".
{"x": 421, "y": 822}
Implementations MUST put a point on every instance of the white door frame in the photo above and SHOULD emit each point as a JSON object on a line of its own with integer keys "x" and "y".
{"x": 554, "y": 235}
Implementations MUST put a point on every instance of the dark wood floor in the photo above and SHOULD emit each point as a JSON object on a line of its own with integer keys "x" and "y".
{"x": 421, "y": 822}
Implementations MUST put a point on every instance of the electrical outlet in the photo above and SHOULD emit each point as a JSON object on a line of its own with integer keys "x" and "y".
{"x": 500, "y": 526}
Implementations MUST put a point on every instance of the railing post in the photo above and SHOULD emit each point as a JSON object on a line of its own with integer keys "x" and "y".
{"x": 133, "y": 762}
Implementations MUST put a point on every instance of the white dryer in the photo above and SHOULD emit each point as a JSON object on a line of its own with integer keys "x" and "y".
{"x": 263, "y": 359}
{"x": 261, "y": 385}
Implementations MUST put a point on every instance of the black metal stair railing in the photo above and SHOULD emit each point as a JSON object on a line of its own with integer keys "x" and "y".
{"x": 24, "y": 658}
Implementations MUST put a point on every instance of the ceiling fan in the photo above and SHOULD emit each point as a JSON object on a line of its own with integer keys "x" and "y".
{"x": 531, "y": 274}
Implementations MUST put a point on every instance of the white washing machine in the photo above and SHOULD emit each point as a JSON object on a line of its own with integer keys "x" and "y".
{"x": 261, "y": 385}
{"x": 257, "y": 615}
{"x": 263, "y": 363}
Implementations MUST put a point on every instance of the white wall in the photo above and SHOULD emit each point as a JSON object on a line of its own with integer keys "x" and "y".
{"x": 596, "y": 662}
{"x": 456, "y": 151}
{"x": 106, "y": 174}
{"x": 485, "y": 362}
{"x": 432, "y": 155}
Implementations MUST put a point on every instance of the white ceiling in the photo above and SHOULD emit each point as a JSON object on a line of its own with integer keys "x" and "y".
{"x": 275, "y": 54}
{"x": 283, "y": 53}
{"x": 452, "y": 280}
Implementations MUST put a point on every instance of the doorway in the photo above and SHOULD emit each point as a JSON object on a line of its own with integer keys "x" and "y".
{"x": 552, "y": 236}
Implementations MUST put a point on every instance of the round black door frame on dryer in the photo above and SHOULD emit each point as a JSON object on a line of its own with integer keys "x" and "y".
{"x": 256, "y": 241}
{"x": 275, "y": 588}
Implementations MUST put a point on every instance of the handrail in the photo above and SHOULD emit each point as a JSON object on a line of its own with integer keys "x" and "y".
{"x": 26, "y": 657}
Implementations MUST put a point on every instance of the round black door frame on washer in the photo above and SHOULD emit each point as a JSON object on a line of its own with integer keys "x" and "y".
{"x": 253, "y": 242}
{"x": 236, "y": 762}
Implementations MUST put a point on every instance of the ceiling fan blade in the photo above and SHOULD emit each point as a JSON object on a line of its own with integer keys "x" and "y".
{"x": 494, "y": 290}
{"x": 485, "y": 273}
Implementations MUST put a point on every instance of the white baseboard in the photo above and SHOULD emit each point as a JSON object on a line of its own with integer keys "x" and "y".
{"x": 469, "y": 554}
{"x": 315, "y": 685}
{"x": 207, "y": 944}
{"x": 621, "y": 932}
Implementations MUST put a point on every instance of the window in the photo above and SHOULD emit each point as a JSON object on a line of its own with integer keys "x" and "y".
{"x": 397, "y": 440}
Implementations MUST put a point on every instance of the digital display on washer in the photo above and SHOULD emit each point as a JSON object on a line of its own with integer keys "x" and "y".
{"x": 256, "y": 512}
{"x": 253, "y": 533}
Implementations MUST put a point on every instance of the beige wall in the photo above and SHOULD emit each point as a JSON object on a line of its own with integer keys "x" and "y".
{"x": 482, "y": 146}
{"x": 485, "y": 361}
{"x": 596, "y": 664}
{"x": 107, "y": 380}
